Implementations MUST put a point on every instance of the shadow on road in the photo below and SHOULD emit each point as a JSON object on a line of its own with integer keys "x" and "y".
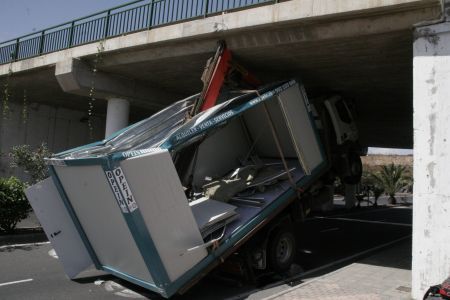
{"x": 17, "y": 248}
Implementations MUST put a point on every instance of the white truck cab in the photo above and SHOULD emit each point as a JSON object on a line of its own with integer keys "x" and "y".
{"x": 336, "y": 121}
{"x": 342, "y": 119}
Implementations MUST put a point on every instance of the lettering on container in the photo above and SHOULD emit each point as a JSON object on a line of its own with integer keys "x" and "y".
{"x": 125, "y": 189}
{"x": 132, "y": 153}
{"x": 115, "y": 188}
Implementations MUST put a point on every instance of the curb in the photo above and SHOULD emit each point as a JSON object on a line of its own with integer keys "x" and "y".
{"x": 36, "y": 235}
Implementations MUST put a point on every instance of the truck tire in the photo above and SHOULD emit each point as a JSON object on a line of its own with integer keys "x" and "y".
{"x": 281, "y": 249}
{"x": 354, "y": 168}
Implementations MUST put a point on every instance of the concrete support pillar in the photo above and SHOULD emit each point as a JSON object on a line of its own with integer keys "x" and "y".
{"x": 350, "y": 196}
{"x": 431, "y": 213}
{"x": 116, "y": 115}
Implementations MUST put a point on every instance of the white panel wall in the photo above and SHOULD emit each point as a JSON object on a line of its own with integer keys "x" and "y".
{"x": 58, "y": 226}
{"x": 156, "y": 188}
{"x": 259, "y": 128}
{"x": 220, "y": 152}
{"x": 296, "y": 112}
{"x": 96, "y": 208}
{"x": 60, "y": 128}
{"x": 431, "y": 217}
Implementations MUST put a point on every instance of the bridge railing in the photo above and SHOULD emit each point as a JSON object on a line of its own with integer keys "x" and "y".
{"x": 119, "y": 20}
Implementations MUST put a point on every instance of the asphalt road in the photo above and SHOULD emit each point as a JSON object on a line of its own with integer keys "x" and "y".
{"x": 30, "y": 272}
{"x": 327, "y": 239}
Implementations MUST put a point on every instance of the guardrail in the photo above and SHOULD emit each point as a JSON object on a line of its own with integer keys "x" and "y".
{"x": 119, "y": 20}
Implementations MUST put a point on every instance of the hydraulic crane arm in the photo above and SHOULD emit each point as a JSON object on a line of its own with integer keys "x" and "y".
{"x": 219, "y": 70}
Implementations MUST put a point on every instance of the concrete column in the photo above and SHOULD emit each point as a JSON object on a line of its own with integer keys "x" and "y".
{"x": 431, "y": 213}
{"x": 116, "y": 115}
{"x": 350, "y": 196}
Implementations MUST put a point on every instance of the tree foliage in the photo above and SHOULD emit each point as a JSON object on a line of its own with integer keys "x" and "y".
{"x": 14, "y": 206}
{"x": 31, "y": 160}
{"x": 391, "y": 179}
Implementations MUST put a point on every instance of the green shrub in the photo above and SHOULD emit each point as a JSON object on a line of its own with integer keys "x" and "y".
{"x": 32, "y": 161}
{"x": 14, "y": 206}
{"x": 369, "y": 181}
{"x": 392, "y": 179}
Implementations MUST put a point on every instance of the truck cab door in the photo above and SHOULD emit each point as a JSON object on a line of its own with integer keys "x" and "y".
{"x": 342, "y": 119}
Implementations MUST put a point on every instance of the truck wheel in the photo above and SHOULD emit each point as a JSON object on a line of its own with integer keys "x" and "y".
{"x": 281, "y": 249}
{"x": 354, "y": 168}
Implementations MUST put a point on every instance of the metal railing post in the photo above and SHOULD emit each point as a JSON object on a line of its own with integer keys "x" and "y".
{"x": 150, "y": 14}
{"x": 108, "y": 15}
{"x": 16, "y": 51}
{"x": 89, "y": 27}
{"x": 205, "y": 14}
{"x": 72, "y": 29}
{"x": 41, "y": 42}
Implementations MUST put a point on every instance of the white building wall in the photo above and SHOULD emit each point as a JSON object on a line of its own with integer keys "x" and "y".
{"x": 60, "y": 128}
{"x": 431, "y": 217}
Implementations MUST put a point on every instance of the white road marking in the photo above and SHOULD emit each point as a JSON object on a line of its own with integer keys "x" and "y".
{"x": 355, "y": 213}
{"x": 365, "y": 221}
{"x": 15, "y": 282}
{"x": 354, "y": 256}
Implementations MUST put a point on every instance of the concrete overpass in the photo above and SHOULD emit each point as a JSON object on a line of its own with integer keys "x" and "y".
{"x": 362, "y": 49}
{"x": 365, "y": 50}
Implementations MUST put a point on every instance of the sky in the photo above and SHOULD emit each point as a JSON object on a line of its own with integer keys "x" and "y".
{"x": 389, "y": 151}
{"x": 20, "y": 17}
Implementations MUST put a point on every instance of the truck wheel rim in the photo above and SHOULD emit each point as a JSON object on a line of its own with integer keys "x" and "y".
{"x": 284, "y": 249}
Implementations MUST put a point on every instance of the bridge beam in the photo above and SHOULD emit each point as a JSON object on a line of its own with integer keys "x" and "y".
{"x": 431, "y": 229}
{"x": 77, "y": 77}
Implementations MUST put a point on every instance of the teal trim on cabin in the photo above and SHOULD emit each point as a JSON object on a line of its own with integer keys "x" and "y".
{"x": 134, "y": 280}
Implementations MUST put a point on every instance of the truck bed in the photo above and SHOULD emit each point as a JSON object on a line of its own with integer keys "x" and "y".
{"x": 126, "y": 198}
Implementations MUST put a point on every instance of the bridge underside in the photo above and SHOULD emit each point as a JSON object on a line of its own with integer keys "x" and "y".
{"x": 373, "y": 70}
{"x": 365, "y": 57}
